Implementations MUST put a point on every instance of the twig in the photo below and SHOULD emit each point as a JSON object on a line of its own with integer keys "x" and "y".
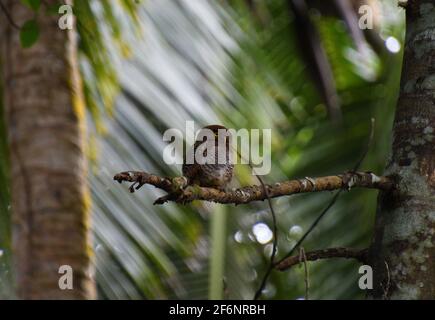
{"x": 178, "y": 190}
{"x": 263, "y": 281}
{"x": 303, "y": 256}
{"x": 274, "y": 232}
{"x": 8, "y": 16}
{"x": 274, "y": 222}
{"x": 387, "y": 287}
{"x": 368, "y": 145}
{"x": 311, "y": 228}
{"x": 360, "y": 255}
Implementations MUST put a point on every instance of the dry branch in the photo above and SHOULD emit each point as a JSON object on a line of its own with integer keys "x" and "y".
{"x": 178, "y": 190}
{"x": 360, "y": 255}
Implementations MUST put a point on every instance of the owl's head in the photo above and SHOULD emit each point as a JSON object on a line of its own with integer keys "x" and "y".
{"x": 215, "y": 129}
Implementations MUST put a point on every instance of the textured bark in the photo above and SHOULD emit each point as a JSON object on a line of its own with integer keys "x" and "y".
{"x": 403, "y": 251}
{"x": 180, "y": 192}
{"x": 45, "y": 123}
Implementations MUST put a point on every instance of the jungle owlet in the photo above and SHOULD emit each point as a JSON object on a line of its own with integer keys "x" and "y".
{"x": 214, "y": 174}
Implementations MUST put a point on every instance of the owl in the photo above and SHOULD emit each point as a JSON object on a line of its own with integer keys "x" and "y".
{"x": 215, "y": 175}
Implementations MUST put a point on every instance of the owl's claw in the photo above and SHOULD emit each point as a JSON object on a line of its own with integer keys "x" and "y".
{"x": 179, "y": 184}
{"x": 162, "y": 200}
{"x": 176, "y": 197}
{"x": 138, "y": 179}
{"x": 182, "y": 199}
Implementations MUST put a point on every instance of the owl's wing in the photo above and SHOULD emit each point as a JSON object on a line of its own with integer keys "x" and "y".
{"x": 190, "y": 171}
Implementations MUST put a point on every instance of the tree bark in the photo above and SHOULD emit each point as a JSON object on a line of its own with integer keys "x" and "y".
{"x": 403, "y": 251}
{"x": 44, "y": 112}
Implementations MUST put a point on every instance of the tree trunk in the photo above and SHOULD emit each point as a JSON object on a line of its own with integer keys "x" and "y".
{"x": 44, "y": 112}
{"x": 403, "y": 251}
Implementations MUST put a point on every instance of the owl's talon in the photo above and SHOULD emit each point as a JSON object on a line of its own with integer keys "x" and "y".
{"x": 131, "y": 188}
{"x": 182, "y": 199}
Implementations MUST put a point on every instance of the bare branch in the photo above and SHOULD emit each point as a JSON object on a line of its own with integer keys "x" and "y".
{"x": 140, "y": 178}
{"x": 303, "y": 257}
{"x": 178, "y": 190}
{"x": 360, "y": 255}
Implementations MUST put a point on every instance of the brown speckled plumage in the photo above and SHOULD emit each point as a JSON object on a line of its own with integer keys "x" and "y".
{"x": 210, "y": 175}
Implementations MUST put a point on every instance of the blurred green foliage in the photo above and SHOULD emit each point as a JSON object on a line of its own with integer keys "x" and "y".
{"x": 29, "y": 33}
{"x": 32, "y": 4}
{"x": 225, "y": 62}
